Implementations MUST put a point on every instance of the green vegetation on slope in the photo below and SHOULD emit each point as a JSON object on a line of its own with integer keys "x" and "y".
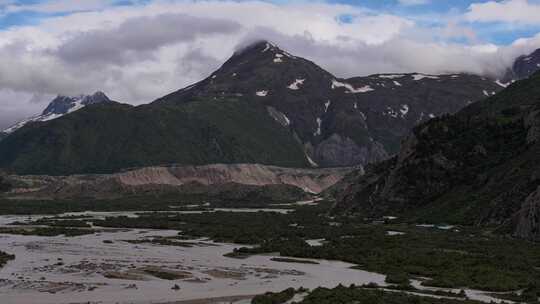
{"x": 46, "y": 231}
{"x": 223, "y": 196}
{"x": 358, "y": 295}
{"x": 274, "y": 297}
{"x": 107, "y": 138}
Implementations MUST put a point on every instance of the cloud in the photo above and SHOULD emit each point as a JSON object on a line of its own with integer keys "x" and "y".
{"x": 136, "y": 37}
{"x": 511, "y": 11}
{"x": 15, "y": 103}
{"x": 398, "y": 55}
{"x": 58, "y": 6}
{"x": 138, "y": 53}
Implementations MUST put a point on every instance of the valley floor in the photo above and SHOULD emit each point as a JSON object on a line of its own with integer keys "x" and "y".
{"x": 200, "y": 254}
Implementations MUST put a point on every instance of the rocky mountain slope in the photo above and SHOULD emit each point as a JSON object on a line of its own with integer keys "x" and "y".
{"x": 339, "y": 122}
{"x": 59, "y": 107}
{"x": 166, "y": 179}
{"x": 263, "y": 105}
{"x": 480, "y": 166}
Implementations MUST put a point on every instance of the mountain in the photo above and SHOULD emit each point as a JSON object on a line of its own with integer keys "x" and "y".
{"x": 59, "y": 107}
{"x": 480, "y": 166}
{"x": 106, "y": 138}
{"x": 523, "y": 67}
{"x": 263, "y": 105}
{"x": 339, "y": 122}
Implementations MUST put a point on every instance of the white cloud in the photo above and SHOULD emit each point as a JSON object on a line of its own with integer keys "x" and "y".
{"x": 16, "y": 104}
{"x": 59, "y": 6}
{"x": 137, "y": 36}
{"x": 512, "y": 11}
{"x": 139, "y": 53}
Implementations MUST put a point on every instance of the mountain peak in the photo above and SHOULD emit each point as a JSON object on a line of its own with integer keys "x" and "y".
{"x": 260, "y": 46}
{"x": 262, "y": 50}
{"x": 63, "y": 104}
{"x": 60, "y": 106}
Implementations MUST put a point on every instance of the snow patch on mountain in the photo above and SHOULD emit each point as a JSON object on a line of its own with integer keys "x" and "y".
{"x": 391, "y": 112}
{"x": 311, "y": 162}
{"x": 500, "y": 83}
{"x": 295, "y": 85}
{"x": 487, "y": 94}
{"x": 417, "y": 77}
{"x": 278, "y": 58}
{"x": 404, "y": 110}
{"x": 392, "y": 76}
{"x": 268, "y": 46}
{"x": 350, "y": 88}
{"x": 318, "y": 132}
{"x": 327, "y": 105}
{"x": 278, "y": 116}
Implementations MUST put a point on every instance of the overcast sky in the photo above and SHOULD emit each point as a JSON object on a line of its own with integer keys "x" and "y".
{"x": 138, "y": 50}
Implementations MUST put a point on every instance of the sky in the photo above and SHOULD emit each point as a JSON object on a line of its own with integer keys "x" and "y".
{"x": 138, "y": 50}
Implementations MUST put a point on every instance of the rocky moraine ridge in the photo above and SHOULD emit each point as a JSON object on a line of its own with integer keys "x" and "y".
{"x": 214, "y": 179}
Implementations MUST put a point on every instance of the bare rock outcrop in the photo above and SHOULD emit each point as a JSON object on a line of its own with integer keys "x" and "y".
{"x": 532, "y": 122}
{"x": 338, "y": 150}
{"x": 528, "y": 220}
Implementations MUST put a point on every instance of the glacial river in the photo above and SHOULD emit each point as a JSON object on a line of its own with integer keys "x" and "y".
{"x": 105, "y": 268}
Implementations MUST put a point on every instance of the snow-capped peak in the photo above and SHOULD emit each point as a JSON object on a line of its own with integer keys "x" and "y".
{"x": 60, "y": 106}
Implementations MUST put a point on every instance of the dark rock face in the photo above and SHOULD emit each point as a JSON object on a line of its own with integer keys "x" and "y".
{"x": 66, "y": 104}
{"x": 528, "y": 225}
{"x": 532, "y": 123}
{"x": 337, "y": 150}
{"x": 480, "y": 166}
{"x": 341, "y": 122}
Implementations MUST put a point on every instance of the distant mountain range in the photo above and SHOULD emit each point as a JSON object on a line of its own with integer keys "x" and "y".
{"x": 263, "y": 105}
